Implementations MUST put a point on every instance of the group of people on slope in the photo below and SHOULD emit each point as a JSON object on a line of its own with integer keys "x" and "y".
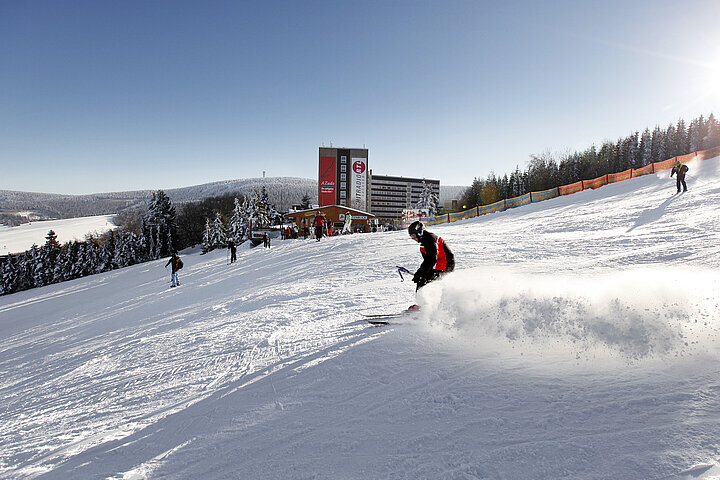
{"x": 323, "y": 225}
{"x": 438, "y": 259}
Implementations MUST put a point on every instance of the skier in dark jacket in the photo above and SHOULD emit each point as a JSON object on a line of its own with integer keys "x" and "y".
{"x": 438, "y": 259}
{"x": 233, "y": 250}
{"x": 176, "y": 265}
{"x": 680, "y": 169}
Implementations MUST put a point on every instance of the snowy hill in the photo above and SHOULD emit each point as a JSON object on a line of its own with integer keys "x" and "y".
{"x": 21, "y": 238}
{"x": 284, "y": 191}
{"x": 577, "y": 339}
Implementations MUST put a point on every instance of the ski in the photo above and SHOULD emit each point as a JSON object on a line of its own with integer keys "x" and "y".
{"x": 384, "y": 318}
{"x": 383, "y": 315}
{"x": 378, "y": 321}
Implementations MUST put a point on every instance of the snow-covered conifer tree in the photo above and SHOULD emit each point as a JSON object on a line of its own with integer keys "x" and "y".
{"x": 159, "y": 225}
{"x": 428, "y": 202}
{"x": 238, "y": 222}
{"x": 206, "y": 237}
{"x": 218, "y": 237}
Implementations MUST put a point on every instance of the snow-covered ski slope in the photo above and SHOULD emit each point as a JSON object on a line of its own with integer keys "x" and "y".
{"x": 21, "y": 238}
{"x": 577, "y": 339}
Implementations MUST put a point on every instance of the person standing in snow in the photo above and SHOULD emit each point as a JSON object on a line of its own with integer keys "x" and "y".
{"x": 438, "y": 259}
{"x": 318, "y": 222}
{"x": 177, "y": 264}
{"x": 233, "y": 250}
{"x": 348, "y": 222}
{"x": 266, "y": 240}
{"x": 680, "y": 169}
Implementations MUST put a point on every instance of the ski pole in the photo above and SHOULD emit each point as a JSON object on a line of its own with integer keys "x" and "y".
{"x": 400, "y": 271}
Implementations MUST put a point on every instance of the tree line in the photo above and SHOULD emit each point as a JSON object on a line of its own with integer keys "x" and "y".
{"x": 546, "y": 171}
{"x": 142, "y": 235}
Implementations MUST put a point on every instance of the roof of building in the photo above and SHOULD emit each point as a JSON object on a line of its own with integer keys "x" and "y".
{"x": 341, "y": 207}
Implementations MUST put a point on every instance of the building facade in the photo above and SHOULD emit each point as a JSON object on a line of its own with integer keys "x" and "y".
{"x": 343, "y": 177}
{"x": 362, "y": 222}
{"x": 389, "y": 195}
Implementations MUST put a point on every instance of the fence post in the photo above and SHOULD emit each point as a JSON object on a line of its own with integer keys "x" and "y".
{"x": 477, "y": 210}
{"x": 531, "y": 197}
{"x": 448, "y": 218}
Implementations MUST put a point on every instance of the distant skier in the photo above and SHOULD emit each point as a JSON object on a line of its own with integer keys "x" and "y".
{"x": 177, "y": 264}
{"x": 680, "y": 169}
{"x": 266, "y": 240}
{"x": 438, "y": 259}
{"x": 348, "y": 221}
{"x": 233, "y": 251}
{"x": 319, "y": 222}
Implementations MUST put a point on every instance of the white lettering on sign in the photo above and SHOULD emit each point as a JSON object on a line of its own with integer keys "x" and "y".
{"x": 359, "y": 183}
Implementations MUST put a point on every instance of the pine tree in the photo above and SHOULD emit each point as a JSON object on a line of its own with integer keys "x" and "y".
{"x": 655, "y": 145}
{"x": 696, "y": 134}
{"x": 645, "y": 148}
{"x": 206, "y": 237}
{"x": 257, "y": 211}
{"x": 218, "y": 237}
{"x": 51, "y": 241}
{"x": 682, "y": 142}
{"x": 159, "y": 225}
{"x": 238, "y": 223}
{"x": 428, "y": 202}
{"x": 712, "y": 139}
{"x": 634, "y": 151}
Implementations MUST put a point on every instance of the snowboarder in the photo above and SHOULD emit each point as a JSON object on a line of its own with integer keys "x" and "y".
{"x": 438, "y": 259}
{"x": 319, "y": 222}
{"x": 680, "y": 169}
{"x": 348, "y": 222}
{"x": 177, "y": 264}
{"x": 233, "y": 250}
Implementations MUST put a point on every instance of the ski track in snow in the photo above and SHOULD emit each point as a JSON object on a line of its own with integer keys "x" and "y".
{"x": 578, "y": 339}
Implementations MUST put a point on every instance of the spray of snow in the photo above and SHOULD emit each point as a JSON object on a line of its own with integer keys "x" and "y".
{"x": 618, "y": 314}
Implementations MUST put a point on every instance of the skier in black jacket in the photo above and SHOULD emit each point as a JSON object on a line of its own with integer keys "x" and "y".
{"x": 438, "y": 259}
{"x": 680, "y": 169}
{"x": 177, "y": 264}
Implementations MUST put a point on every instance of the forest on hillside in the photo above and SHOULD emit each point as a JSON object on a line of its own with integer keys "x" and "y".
{"x": 284, "y": 192}
{"x": 545, "y": 171}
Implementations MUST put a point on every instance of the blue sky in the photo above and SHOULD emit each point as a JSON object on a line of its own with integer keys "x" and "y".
{"x": 102, "y": 96}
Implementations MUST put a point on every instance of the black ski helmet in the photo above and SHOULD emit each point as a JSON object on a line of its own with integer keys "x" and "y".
{"x": 416, "y": 228}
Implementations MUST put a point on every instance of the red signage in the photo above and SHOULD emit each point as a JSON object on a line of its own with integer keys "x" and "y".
{"x": 359, "y": 167}
{"x": 326, "y": 181}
